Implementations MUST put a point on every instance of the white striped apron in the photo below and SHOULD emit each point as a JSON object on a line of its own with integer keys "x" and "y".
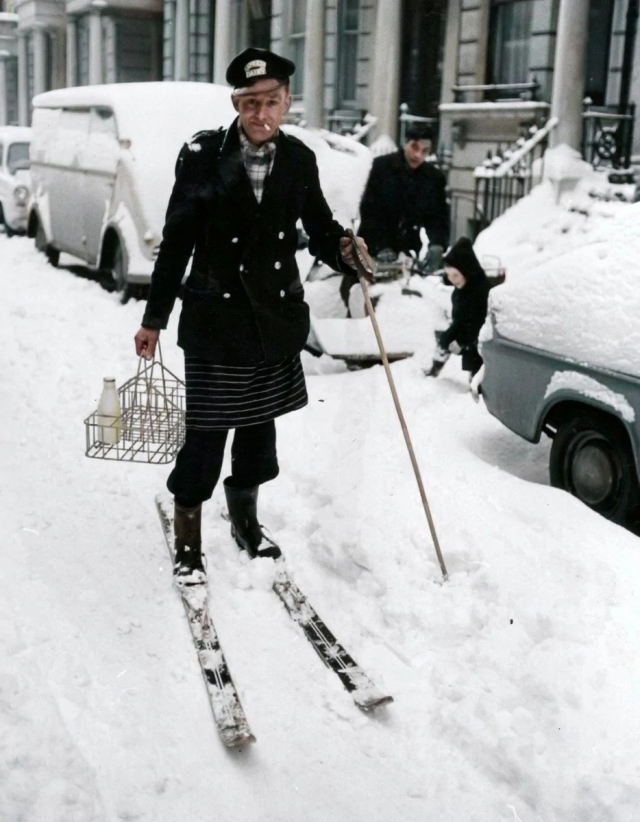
{"x": 229, "y": 396}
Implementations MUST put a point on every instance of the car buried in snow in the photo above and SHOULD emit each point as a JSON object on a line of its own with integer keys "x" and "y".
{"x": 561, "y": 353}
{"x": 14, "y": 178}
{"x": 103, "y": 161}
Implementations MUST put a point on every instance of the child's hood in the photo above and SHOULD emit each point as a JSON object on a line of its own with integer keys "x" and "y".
{"x": 462, "y": 256}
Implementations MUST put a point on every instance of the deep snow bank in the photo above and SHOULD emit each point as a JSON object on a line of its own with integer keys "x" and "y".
{"x": 515, "y": 682}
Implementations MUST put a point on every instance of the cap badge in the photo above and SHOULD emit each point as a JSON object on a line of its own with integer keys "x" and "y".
{"x": 255, "y": 68}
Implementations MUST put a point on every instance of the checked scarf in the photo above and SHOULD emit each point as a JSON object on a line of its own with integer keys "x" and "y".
{"x": 258, "y": 161}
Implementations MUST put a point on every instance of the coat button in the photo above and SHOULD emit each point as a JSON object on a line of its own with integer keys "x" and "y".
{"x": 281, "y": 235}
{"x": 277, "y": 265}
{"x": 235, "y": 240}
{"x": 227, "y": 295}
{"x": 282, "y": 293}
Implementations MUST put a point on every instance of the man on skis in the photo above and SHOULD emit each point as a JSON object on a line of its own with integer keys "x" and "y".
{"x": 235, "y": 203}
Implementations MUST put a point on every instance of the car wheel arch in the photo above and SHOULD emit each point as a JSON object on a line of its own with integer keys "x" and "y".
{"x": 112, "y": 240}
{"x": 564, "y": 407}
{"x": 32, "y": 223}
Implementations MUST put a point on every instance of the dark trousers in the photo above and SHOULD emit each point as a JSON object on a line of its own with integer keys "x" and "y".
{"x": 348, "y": 281}
{"x": 199, "y": 462}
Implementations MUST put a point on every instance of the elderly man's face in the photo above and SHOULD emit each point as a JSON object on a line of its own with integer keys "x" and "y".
{"x": 416, "y": 151}
{"x": 261, "y": 109}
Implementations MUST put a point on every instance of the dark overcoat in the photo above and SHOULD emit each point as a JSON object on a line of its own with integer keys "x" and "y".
{"x": 469, "y": 307}
{"x": 398, "y": 201}
{"x": 243, "y": 302}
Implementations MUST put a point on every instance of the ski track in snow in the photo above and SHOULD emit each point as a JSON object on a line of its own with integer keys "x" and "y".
{"x": 515, "y": 682}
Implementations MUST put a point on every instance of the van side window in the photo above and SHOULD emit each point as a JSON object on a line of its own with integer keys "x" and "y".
{"x": 71, "y": 136}
{"x": 103, "y": 150}
{"x": 45, "y": 133}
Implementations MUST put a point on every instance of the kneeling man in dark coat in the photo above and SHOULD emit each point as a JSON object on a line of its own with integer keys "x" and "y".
{"x": 237, "y": 197}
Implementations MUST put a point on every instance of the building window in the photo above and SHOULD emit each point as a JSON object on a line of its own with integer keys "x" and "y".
{"x": 82, "y": 44}
{"x": 260, "y": 14}
{"x": 137, "y": 50}
{"x": 168, "y": 33}
{"x": 12, "y": 90}
{"x": 598, "y": 49}
{"x": 348, "y": 31}
{"x": 201, "y": 40}
{"x": 296, "y": 45}
{"x": 510, "y": 34}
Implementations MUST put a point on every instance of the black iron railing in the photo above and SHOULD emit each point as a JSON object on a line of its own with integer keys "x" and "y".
{"x": 506, "y": 177}
{"x": 345, "y": 121}
{"x": 607, "y": 135}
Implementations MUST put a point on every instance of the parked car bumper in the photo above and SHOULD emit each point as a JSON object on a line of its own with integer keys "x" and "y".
{"x": 15, "y": 217}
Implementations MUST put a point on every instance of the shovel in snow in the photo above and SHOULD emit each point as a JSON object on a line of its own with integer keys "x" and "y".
{"x": 364, "y": 267}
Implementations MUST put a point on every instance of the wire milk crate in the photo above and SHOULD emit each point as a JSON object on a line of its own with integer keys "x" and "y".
{"x": 151, "y": 424}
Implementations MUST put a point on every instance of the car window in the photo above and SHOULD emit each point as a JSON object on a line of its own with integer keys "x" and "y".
{"x": 18, "y": 156}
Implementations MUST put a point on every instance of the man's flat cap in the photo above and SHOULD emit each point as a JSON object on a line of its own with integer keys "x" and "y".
{"x": 258, "y": 64}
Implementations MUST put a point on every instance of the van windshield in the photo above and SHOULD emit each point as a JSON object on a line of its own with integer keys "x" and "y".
{"x": 18, "y": 157}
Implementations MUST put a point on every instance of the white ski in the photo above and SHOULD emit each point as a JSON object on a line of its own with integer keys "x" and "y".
{"x": 228, "y": 713}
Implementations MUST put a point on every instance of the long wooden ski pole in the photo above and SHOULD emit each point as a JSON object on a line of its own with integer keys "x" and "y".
{"x": 364, "y": 267}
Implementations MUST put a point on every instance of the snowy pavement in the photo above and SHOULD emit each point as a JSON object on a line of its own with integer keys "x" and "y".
{"x": 515, "y": 682}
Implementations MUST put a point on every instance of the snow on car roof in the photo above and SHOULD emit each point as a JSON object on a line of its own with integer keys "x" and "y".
{"x": 583, "y": 304}
{"x": 134, "y": 103}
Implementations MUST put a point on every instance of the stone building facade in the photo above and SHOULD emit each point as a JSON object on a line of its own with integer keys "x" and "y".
{"x": 511, "y": 65}
{"x": 8, "y": 67}
{"x": 483, "y": 71}
{"x": 77, "y": 42}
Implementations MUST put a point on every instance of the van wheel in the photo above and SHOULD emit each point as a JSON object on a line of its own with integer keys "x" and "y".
{"x": 119, "y": 274}
{"x": 591, "y": 458}
{"x": 52, "y": 254}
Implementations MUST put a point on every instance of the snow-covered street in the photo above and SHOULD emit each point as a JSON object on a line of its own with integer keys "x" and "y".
{"x": 515, "y": 682}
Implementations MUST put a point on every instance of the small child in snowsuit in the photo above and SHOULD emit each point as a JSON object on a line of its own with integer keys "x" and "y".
{"x": 469, "y": 303}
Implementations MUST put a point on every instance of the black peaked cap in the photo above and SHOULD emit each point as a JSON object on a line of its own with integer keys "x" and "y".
{"x": 462, "y": 256}
{"x": 258, "y": 64}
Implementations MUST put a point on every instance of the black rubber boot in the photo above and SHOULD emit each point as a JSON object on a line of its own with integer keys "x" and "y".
{"x": 245, "y": 528}
{"x": 188, "y": 568}
{"x": 436, "y": 368}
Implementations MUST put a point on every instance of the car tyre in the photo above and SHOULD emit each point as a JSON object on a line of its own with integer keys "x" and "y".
{"x": 591, "y": 458}
{"x": 119, "y": 273}
{"x": 52, "y": 254}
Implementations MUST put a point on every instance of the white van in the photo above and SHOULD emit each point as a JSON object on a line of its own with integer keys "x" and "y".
{"x": 102, "y": 168}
